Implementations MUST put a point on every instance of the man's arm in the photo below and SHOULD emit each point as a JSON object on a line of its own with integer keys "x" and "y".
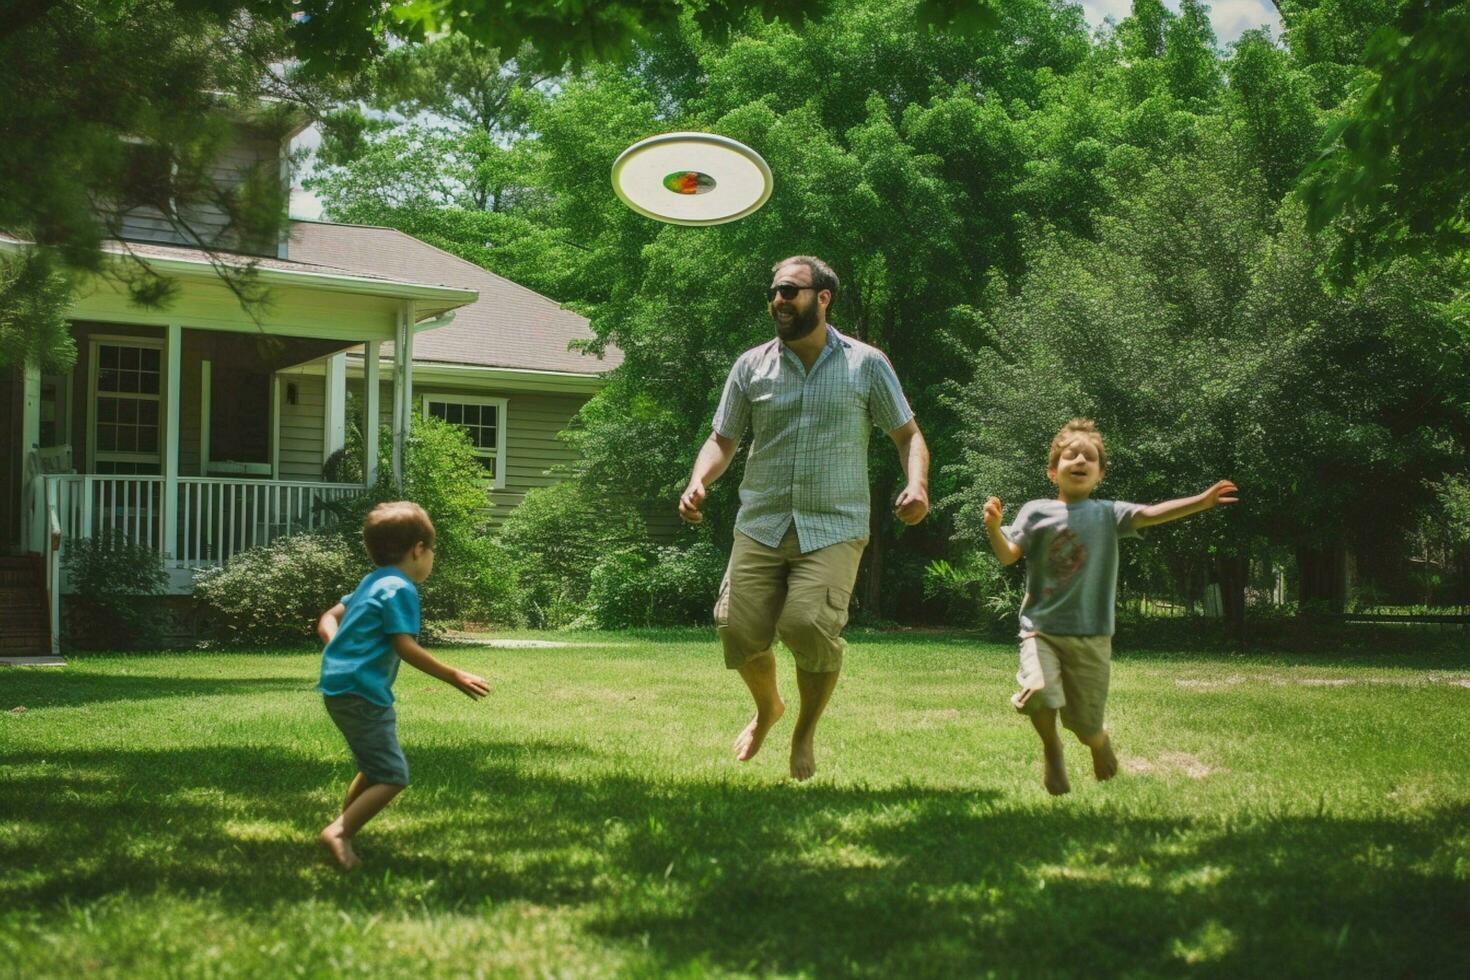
{"x": 913, "y": 456}
{"x": 326, "y": 627}
{"x": 1172, "y": 510}
{"x": 1007, "y": 552}
{"x": 713, "y": 459}
{"x": 409, "y": 650}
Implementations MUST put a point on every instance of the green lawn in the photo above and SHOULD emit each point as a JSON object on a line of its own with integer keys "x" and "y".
{"x": 1276, "y": 816}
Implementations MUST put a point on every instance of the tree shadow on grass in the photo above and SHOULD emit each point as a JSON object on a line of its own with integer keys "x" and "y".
{"x": 68, "y": 687}
{"x": 708, "y": 873}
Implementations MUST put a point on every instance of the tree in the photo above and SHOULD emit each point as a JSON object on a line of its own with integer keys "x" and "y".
{"x": 1396, "y": 174}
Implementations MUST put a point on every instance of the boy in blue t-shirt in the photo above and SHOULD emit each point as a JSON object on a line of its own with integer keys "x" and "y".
{"x": 367, "y": 634}
{"x": 1071, "y": 549}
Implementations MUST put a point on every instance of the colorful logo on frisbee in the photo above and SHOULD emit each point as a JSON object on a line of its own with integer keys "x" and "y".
{"x": 689, "y": 182}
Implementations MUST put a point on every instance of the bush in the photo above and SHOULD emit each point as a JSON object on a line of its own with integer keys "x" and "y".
{"x": 666, "y": 586}
{"x": 472, "y": 580}
{"x": 555, "y": 538}
{"x": 275, "y": 594}
{"x": 976, "y": 592}
{"x": 109, "y": 575}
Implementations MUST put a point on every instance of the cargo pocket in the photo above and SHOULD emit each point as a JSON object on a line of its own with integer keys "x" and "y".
{"x": 836, "y": 611}
{"x": 722, "y": 604}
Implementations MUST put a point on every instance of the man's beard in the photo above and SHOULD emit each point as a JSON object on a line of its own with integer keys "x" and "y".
{"x": 802, "y": 322}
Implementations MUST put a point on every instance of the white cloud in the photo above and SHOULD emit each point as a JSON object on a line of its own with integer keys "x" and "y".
{"x": 1229, "y": 18}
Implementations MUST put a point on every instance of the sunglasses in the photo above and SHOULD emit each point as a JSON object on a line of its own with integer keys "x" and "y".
{"x": 786, "y": 290}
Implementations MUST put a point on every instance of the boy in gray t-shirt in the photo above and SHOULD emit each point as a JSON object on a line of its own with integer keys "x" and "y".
{"x": 1071, "y": 549}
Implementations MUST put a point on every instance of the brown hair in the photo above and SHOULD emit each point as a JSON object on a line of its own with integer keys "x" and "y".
{"x": 1077, "y": 427}
{"x": 822, "y": 275}
{"x": 392, "y": 529}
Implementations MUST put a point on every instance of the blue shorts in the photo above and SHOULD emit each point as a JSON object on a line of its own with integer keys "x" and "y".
{"x": 372, "y": 735}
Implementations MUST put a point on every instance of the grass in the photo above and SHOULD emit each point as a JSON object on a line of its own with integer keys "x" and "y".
{"x": 1277, "y": 816}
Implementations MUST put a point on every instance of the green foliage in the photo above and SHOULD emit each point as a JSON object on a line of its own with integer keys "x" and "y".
{"x": 112, "y": 576}
{"x": 1396, "y": 174}
{"x": 555, "y": 538}
{"x": 275, "y": 594}
{"x": 33, "y": 300}
{"x": 664, "y": 586}
{"x": 473, "y": 579}
{"x": 976, "y": 592}
{"x": 1100, "y": 225}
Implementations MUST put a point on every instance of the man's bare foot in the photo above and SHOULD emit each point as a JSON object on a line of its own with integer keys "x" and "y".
{"x": 1054, "y": 777}
{"x": 1104, "y": 762}
{"x": 803, "y": 759}
{"x": 340, "y": 848}
{"x": 748, "y": 742}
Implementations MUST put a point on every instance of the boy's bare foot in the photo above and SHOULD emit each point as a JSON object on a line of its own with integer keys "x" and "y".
{"x": 1054, "y": 777}
{"x": 803, "y": 759}
{"x": 1104, "y": 762}
{"x": 340, "y": 848}
{"x": 748, "y": 742}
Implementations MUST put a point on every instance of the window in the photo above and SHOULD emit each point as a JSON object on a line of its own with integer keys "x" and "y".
{"x": 483, "y": 420}
{"x": 125, "y": 410}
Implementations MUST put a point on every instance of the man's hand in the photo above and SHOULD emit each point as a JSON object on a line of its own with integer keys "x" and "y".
{"x": 1221, "y": 493}
{"x": 912, "y": 504}
{"x": 473, "y": 685}
{"x": 690, "y": 502}
{"x": 992, "y": 514}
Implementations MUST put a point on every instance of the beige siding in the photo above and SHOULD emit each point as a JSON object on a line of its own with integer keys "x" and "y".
{"x": 532, "y": 449}
{"x": 301, "y": 429}
{"x": 208, "y": 221}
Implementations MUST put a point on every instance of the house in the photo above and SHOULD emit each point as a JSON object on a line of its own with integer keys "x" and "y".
{"x": 203, "y": 429}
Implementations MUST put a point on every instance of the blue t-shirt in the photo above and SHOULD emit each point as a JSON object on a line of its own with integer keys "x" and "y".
{"x": 1071, "y": 553}
{"x": 360, "y": 659}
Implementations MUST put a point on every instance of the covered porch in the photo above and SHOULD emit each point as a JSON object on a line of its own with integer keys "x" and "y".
{"x": 202, "y": 430}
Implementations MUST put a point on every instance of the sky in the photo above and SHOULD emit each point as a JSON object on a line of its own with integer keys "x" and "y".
{"x": 1230, "y": 18}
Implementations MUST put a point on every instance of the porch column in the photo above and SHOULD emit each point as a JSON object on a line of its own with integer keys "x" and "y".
{"x": 334, "y": 425}
{"x": 173, "y": 357}
{"x": 32, "y": 511}
{"x": 370, "y": 413}
{"x": 402, "y": 388}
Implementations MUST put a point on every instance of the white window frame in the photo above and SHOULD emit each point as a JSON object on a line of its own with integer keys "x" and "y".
{"x": 500, "y": 424}
{"x": 98, "y": 341}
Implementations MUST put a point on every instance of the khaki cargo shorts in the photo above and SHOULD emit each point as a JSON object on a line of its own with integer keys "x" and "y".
{"x": 804, "y": 598}
{"x": 1068, "y": 673}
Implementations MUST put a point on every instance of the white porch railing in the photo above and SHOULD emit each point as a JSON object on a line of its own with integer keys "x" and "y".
{"x": 215, "y": 517}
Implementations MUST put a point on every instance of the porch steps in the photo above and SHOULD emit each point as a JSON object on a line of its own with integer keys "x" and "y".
{"x": 25, "y": 619}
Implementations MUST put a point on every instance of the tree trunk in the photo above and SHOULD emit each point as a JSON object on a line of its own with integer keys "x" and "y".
{"x": 1322, "y": 576}
{"x": 1233, "y": 573}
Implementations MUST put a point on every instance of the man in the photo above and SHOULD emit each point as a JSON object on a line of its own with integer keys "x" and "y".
{"x": 810, "y": 397}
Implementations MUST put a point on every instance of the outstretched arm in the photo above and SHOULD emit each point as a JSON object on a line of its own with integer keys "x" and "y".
{"x": 409, "y": 650}
{"x": 326, "y": 627}
{"x": 1223, "y": 492}
{"x": 713, "y": 459}
{"x": 1006, "y": 550}
{"x": 913, "y": 455}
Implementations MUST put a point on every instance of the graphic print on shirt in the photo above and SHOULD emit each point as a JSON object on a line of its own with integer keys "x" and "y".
{"x": 1065, "y": 557}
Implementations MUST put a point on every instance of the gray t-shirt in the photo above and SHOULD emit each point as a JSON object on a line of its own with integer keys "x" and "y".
{"x": 1071, "y": 553}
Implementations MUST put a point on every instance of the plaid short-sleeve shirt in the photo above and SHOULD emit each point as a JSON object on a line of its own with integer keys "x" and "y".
{"x": 808, "y": 460}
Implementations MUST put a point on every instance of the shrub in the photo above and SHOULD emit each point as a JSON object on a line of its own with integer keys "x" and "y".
{"x": 976, "y": 592}
{"x": 665, "y": 586}
{"x": 555, "y": 539}
{"x": 109, "y": 574}
{"x": 472, "y": 578}
{"x": 274, "y": 594}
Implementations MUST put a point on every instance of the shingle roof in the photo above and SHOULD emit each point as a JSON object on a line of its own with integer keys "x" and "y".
{"x": 510, "y": 326}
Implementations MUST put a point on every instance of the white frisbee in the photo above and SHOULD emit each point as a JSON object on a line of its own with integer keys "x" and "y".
{"x": 691, "y": 179}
